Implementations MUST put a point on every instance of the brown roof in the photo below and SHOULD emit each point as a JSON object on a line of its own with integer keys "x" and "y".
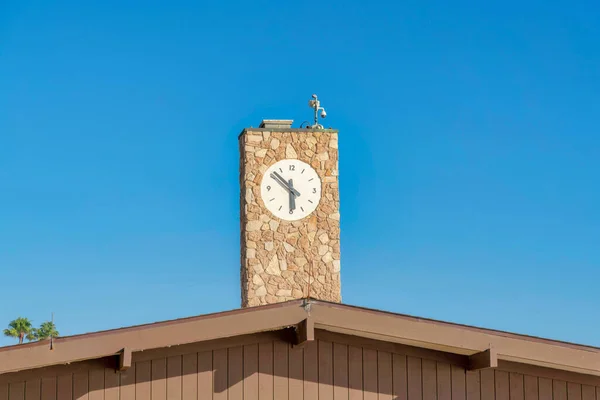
{"x": 451, "y": 338}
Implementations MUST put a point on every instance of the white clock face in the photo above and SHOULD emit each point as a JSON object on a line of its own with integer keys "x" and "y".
{"x": 290, "y": 189}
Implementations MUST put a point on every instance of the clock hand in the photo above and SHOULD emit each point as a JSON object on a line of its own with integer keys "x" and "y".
{"x": 283, "y": 183}
{"x": 290, "y": 187}
{"x": 292, "y": 196}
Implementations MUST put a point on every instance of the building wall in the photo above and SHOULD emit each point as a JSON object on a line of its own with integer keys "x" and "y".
{"x": 265, "y": 368}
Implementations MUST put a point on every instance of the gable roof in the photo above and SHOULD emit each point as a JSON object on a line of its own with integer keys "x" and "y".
{"x": 476, "y": 345}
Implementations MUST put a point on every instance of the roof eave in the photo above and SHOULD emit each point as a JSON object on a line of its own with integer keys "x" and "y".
{"x": 450, "y": 338}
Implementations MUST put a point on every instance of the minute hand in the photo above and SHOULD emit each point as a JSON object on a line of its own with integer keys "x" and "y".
{"x": 283, "y": 183}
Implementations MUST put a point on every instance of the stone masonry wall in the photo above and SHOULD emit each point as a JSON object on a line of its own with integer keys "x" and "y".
{"x": 279, "y": 259}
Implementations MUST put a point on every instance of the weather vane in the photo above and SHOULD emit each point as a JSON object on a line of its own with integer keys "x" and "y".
{"x": 315, "y": 104}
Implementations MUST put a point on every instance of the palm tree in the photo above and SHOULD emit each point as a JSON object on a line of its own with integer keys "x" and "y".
{"x": 46, "y": 331}
{"x": 20, "y": 328}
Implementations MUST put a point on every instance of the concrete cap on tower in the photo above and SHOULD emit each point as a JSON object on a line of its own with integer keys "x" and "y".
{"x": 276, "y": 123}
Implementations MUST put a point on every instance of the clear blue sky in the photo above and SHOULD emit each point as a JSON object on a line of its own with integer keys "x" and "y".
{"x": 469, "y": 144}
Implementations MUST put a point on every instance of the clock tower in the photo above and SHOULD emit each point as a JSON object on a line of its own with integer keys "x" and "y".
{"x": 289, "y": 211}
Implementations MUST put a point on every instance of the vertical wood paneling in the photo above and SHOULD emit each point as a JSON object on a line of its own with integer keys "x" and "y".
{"x": 369, "y": 374}
{"x": 189, "y": 380}
{"x": 280, "y": 370}
{"x": 311, "y": 371}
{"x": 205, "y": 376}
{"x": 128, "y": 386}
{"x": 516, "y": 385}
{"x": 159, "y": 379}
{"x": 559, "y": 390}
{"x": 48, "y": 388}
{"x": 64, "y": 387}
{"x": 111, "y": 384}
{"x": 325, "y": 370}
{"x": 16, "y": 391}
{"x": 32, "y": 389}
{"x": 355, "y": 377}
{"x": 473, "y": 385}
{"x": 174, "y": 378}
{"x": 459, "y": 382}
{"x": 265, "y": 371}
{"x": 251, "y": 372}
{"x": 384, "y": 375}
{"x": 96, "y": 384}
{"x": 444, "y": 381}
{"x": 3, "y": 391}
{"x": 413, "y": 366}
{"x": 219, "y": 374}
{"x": 587, "y": 393}
{"x": 277, "y": 371}
{"x": 545, "y": 389}
{"x": 573, "y": 391}
{"x": 142, "y": 380}
{"x": 235, "y": 366}
{"x": 502, "y": 385}
{"x": 296, "y": 373}
{"x": 340, "y": 372}
{"x": 429, "y": 370}
{"x": 80, "y": 386}
{"x": 487, "y": 384}
{"x": 531, "y": 387}
{"x": 400, "y": 386}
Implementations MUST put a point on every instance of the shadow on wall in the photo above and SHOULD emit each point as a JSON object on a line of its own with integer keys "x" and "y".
{"x": 271, "y": 369}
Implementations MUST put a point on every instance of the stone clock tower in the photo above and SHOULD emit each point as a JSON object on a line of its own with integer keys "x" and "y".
{"x": 290, "y": 220}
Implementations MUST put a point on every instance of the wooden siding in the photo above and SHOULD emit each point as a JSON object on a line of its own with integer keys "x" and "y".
{"x": 273, "y": 370}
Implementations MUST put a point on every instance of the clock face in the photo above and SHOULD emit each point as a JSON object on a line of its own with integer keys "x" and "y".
{"x": 290, "y": 189}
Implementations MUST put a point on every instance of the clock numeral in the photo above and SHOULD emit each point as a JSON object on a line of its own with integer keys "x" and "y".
{"x": 292, "y": 167}
{"x": 314, "y": 190}
{"x": 291, "y": 211}
{"x": 268, "y": 188}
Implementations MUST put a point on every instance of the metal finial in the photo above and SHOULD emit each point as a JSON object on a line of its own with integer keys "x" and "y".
{"x": 315, "y": 104}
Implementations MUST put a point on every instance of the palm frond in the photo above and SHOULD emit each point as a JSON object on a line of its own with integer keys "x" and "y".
{"x": 47, "y": 330}
{"x": 32, "y": 335}
{"x": 11, "y": 332}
